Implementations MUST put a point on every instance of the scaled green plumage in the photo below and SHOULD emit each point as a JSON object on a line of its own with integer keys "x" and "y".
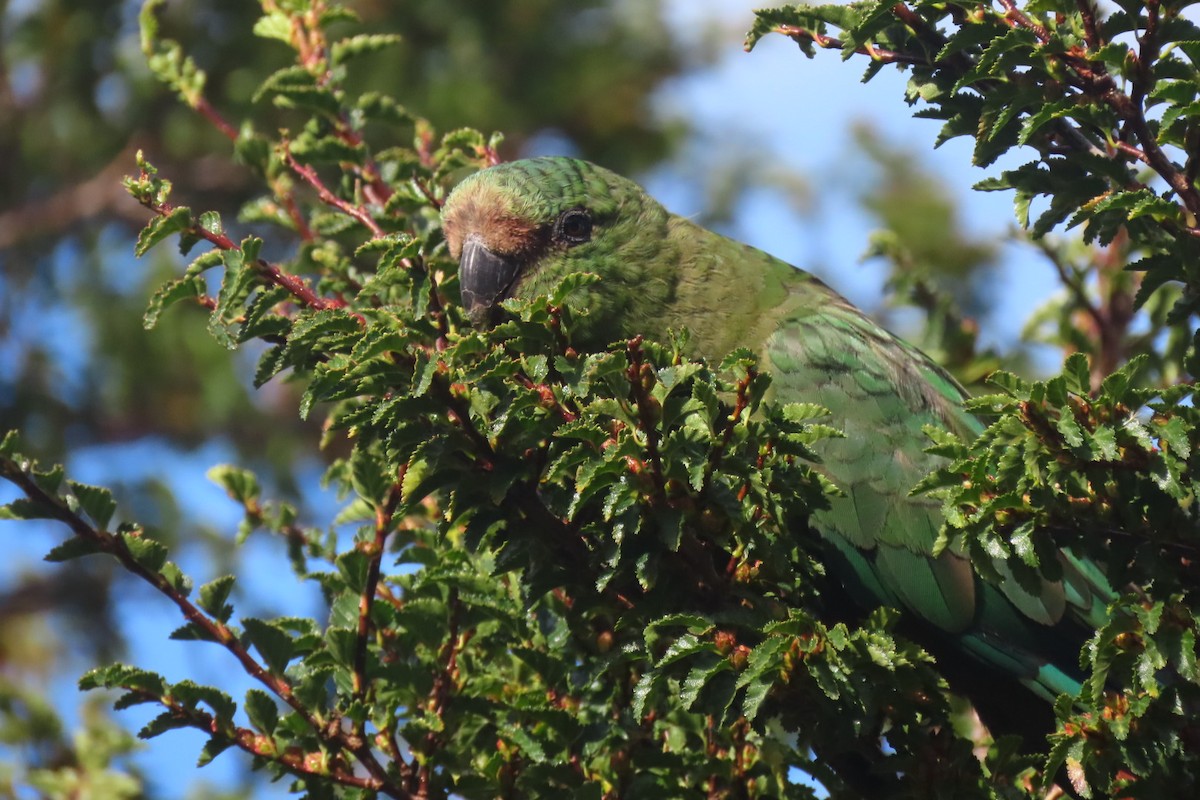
{"x": 520, "y": 227}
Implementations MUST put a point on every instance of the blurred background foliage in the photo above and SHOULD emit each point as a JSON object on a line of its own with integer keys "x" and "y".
{"x": 78, "y": 375}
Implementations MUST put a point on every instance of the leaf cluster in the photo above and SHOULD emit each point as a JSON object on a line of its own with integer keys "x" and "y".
{"x": 554, "y": 570}
{"x": 1109, "y": 475}
{"x": 590, "y": 573}
{"x": 1104, "y": 101}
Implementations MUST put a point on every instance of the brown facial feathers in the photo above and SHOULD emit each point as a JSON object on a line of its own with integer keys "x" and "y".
{"x": 488, "y": 216}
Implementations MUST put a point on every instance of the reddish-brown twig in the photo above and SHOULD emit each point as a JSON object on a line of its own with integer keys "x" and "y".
{"x": 295, "y": 285}
{"x": 214, "y": 630}
{"x": 311, "y": 177}
{"x": 833, "y": 43}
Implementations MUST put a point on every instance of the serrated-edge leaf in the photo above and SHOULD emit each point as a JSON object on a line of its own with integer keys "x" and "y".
{"x": 96, "y": 501}
{"x": 214, "y": 597}
{"x": 262, "y": 710}
{"x": 161, "y": 228}
{"x": 274, "y": 645}
{"x": 169, "y": 294}
{"x": 72, "y": 548}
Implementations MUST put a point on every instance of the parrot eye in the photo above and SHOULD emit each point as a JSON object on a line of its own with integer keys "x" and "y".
{"x": 574, "y": 227}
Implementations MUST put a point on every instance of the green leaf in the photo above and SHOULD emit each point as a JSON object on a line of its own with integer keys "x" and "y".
{"x": 214, "y": 597}
{"x": 371, "y": 477}
{"x": 166, "y": 721}
{"x": 191, "y": 695}
{"x": 177, "y": 579}
{"x": 1069, "y": 428}
{"x": 1078, "y": 373}
{"x": 274, "y": 25}
{"x": 353, "y": 565}
{"x": 642, "y": 690}
{"x": 362, "y": 44}
{"x": 125, "y": 677}
{"x": 262, "y": 710}
{"x": 241, "y": 484}
{"x": 685, "y": 646}
{"x": 213, "y": 748}
{"x": 72, "y": 548}
{"x": 273, "y": 644}
{"x": 162, "y": 227}
{"x": 169, "y": 294}
{"x": 1175, "y": 434}
{"x": 698, "y": 677}
{"x": 530, "y": 747}
{"x": 192, "y": 632}
{"x": 148, "y": 552}
{"x": 1104, "y": 442}
{"x": 97, "y": 502}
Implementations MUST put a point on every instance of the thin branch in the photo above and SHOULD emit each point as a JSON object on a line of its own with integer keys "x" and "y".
{"x": 328, "y": 731}
{"x": 1070, "y": 280}
{"x": 293, "y": 212}
{"x": 832, "y": 43}
{"x": 295, "y": 285}
{"x": 329, "y": 198}
{"x": 1147, "y": 54}
{"x": 374, "y": 550}
{"x": 443, "y": 683}
{"x": 1091, "y": 32}
{"x": 296, "y": 762}
{"x": 1016, "y": 15}
{"x": 1131, "y": 151}
{"x": 433, "y": 199}
{"x": 211, "y": 114}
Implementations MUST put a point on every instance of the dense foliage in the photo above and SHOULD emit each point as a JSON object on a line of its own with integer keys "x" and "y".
{"x": 589, "y": 574}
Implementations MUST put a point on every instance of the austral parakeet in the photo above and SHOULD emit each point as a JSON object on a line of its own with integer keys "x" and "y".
{"x": 518, "y": 228}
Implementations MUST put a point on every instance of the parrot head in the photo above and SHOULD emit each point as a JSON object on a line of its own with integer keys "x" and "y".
{"x": 518, "y": 228}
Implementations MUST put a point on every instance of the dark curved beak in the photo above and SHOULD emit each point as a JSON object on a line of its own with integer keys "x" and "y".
{"x": 485, "y": 278}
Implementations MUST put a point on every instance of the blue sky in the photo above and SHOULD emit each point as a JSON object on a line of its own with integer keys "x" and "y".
{"x": 774, "y": 102}
{"x": 798, "y": 113}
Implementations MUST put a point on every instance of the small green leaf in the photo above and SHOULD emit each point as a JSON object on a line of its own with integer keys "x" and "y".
{"x": 273, "y": 644}
{"x": 214, "y": 597}
{"x": 166, "y": 721}
{"x": 274, "y": 25}
{"x": 169, "y": 294}
{"x": 72, "y": 548}
{"x": 363, "y": 44}
{"x": 191, "y": 695}
{"x": 191, "y": 632}
{"x": 162, "y": 227}
{"x": 146, "y": 551}
{"x": 241, "y": 484}
{"x": 213, "y": 748}
{"x": 262, "y": 710}
{"x": 97, "y": 502}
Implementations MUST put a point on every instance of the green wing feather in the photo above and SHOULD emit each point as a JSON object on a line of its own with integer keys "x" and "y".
{"x": 659, "y": 271}
{"x": 882, "y": 392}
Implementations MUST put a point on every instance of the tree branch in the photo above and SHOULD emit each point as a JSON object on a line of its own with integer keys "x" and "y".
{"x": 215, "y": 630}
{"x": 275, "y": 275}
{"x": 329, "y": 198}
{"x": 374, "y": 550}
{"x": 299, "y": 763}
{"x": 832, "y": 43}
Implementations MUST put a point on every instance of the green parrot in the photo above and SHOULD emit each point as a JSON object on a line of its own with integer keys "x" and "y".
{"x": 518, "y": 228}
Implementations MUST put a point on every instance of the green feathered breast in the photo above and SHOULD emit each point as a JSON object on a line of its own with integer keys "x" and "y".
{"x": 538, "y": 220}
